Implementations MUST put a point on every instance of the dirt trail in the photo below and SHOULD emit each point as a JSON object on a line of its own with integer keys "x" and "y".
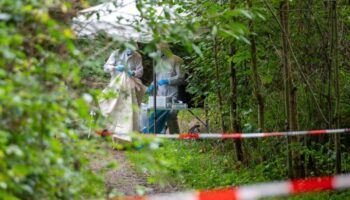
{"x": 123, "y": 179}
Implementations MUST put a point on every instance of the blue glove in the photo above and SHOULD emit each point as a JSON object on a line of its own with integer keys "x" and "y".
{"x": 150, "y": 89}
{"x": 119, "y": 68}
{"x": 163, "y": 82}
{"x": 131, "y": 73}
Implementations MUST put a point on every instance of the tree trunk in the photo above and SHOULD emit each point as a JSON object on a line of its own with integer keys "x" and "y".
{"x": 334, "y": 56}
{"x": 296, "y": 169}
{"x": 329, "y": 68}
{"x": 233, "y": 104}
{"x": 285, "y": 63}
{"x": 255, "y": 76}
{"x": 218, "y": 92}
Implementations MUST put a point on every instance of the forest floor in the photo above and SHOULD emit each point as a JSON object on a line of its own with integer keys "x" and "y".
{"x": 124, "y": 180}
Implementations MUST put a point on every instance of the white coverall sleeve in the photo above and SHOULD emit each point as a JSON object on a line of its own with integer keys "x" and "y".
{"x": 179, "y": 78}
{"x": 111, "y": 63}
{"x": 139, "y": 68}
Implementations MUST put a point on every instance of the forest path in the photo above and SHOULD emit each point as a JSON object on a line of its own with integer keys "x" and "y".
{"x": 124, "y": 180}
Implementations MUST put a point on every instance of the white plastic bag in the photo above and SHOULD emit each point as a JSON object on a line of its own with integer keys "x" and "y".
{"x": 120, "y": 103}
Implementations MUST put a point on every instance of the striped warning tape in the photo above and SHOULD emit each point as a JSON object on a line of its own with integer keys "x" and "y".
{"x": 246, "y": 135}
{"x": 257, "y": 191}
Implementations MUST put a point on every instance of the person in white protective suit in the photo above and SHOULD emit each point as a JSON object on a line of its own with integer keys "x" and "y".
{"x": 122, "y": 97}
{"x": 169, "y": 74}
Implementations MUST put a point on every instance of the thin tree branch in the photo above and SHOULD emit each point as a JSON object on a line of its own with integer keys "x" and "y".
{"x": 297, "y": 63}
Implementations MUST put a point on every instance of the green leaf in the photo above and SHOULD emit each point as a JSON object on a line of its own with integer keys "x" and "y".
{"x": 261, "y": 16}
{"x": 214, "y": 30}
{"x": 246, "y": 13}
{"x": 7, "y": 196}
{"x": 197, "y": 50}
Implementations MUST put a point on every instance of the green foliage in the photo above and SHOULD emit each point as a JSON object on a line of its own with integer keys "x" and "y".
{"x": 203, "y": 165}
{"x": 200, "y": 27}
{"x": 39, "y": 148}
{"x": 208, "y": 164}
{"x": 40, "y": 94}
{"x": 96, "y": 53}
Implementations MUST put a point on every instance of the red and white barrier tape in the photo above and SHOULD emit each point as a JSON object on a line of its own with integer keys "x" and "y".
{"x": 246, "y": 135}
{"x": 257, "y": 191}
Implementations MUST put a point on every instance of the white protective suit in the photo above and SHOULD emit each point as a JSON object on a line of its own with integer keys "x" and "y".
{"x": 170, "y": 68}
{"x": 122, "y": 97}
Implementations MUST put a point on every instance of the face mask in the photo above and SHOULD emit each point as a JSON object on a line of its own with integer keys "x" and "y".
{"x": 128, "y": 51}
{"x": 161, "y": 54}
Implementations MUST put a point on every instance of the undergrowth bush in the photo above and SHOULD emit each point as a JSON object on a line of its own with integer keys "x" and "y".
{"x": 206, "y": 165}
{"x": 40, "y": 104}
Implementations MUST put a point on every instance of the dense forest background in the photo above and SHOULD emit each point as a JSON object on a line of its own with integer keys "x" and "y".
{"x": 255, "y": 65}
